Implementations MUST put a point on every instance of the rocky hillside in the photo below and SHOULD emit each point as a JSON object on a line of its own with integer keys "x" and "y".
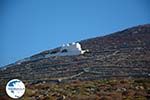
{"x": 124, "y": 54}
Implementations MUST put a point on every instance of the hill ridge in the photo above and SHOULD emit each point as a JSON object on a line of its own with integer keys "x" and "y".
{"x": 122, "y": 54}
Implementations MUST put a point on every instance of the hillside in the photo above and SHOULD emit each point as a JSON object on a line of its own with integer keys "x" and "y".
{"x": 121, "y": 55}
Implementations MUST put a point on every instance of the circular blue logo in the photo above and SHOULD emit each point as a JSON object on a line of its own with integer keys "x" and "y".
{"x": 15, "y": 88}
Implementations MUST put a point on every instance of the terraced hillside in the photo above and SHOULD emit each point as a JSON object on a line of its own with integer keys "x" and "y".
{"x": 124, "y": 54}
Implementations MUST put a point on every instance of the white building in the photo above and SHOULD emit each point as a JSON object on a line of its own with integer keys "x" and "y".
{"x": 68, "y": 50}
{"x": 65, "y": 50}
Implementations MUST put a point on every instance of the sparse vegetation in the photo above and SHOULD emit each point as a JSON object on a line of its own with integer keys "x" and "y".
{"x": 124, "y": 89}
{"x": 117, "y": 67}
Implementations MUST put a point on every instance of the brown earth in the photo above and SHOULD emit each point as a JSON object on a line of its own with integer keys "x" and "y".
{"x": 121, "y": 55}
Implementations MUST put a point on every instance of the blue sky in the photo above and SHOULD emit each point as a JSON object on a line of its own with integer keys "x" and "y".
{"x": 28, "y": 27}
